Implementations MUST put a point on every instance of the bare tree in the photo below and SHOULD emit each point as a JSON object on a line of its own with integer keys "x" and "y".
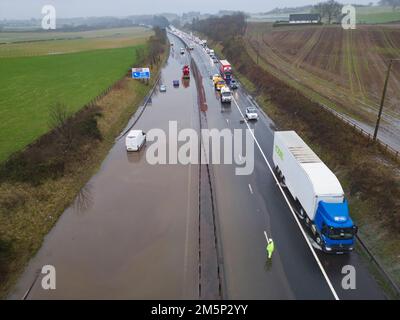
{"x": 320, "y": 9}
{"x": 330, "y": 9}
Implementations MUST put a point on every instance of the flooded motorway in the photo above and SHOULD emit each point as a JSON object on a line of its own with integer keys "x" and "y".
{"x": 133, "y": 231}
{"x": 141, "y": 231}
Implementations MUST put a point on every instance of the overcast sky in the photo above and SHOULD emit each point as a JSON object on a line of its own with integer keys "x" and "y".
{"x": 24, "y": 9}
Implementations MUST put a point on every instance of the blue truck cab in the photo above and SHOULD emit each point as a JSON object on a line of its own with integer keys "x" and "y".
{"x": 335, "y": 229}
{"x": 318, "y": 196}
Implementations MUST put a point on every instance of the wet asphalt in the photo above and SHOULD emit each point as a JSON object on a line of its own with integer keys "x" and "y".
{"x": 249, "y": 205}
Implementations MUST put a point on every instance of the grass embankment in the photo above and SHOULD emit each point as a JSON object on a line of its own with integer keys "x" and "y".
{"x": 38, "y": 183}
{"x": 370, "y": 179}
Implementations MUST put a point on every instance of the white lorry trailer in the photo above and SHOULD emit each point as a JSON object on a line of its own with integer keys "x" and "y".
{"x": 318, "y": 195}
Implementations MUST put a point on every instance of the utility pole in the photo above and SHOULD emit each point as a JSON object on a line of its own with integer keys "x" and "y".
{"x": 258, "y": 56}
{"x": 383, "y": 98}
{"x": 257, "y": 49}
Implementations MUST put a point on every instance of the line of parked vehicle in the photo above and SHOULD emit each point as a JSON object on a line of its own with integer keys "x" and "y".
{"x": 318, "y": 195}
{"x": 224, "y": 83}
{"x": 319, "y": 198}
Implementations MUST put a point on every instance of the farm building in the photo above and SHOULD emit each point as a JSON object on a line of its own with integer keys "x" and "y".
{"x": 307, "y": 18}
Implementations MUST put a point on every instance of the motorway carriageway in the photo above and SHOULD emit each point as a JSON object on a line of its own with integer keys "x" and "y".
{"x": 133, "y": 232}
{"x": 248, "y": 206}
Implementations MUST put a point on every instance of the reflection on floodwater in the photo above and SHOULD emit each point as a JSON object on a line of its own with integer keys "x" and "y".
{"x": 135, "y": 157}
{"x": 84, "y": 199}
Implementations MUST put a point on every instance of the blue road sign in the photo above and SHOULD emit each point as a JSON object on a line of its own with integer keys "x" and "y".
{"x": 140, "y": 73}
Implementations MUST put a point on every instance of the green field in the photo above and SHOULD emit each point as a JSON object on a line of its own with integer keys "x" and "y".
{"x": 30, "y": 85}
{"x": 27, "y": 49}
{"x": 23, "y": 44}
{"x": 12, "y": 37}
{"x": 364, "y": 15}
{"x": 379, "y": 17}
{"x": 39, "y": 69}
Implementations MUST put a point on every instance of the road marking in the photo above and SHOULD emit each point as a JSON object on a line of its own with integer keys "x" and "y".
{"x": 251, "y": 189}
{"x": 266, "y": 236}
{"x": 227, "y": 121}
{"x": 290, "y": 207}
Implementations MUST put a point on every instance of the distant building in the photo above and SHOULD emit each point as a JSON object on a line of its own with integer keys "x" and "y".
{"x": 306, "y": 18}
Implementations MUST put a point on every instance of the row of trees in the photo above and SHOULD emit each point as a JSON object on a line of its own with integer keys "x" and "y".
{"x": 221, "y": 29}
{"x": 157, "y": 44}
{"x": 329, "y": 9}
{"x": 391, "y": 3}
{"x": 333, "y": 10}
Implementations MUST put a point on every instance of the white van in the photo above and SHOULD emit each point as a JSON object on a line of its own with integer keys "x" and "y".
{"x": 135, "y": 140}
{"x": 226, "y": 94}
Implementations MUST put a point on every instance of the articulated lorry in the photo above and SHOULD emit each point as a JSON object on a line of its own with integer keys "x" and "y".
{"x": 318, "y": 195}
{"x": 226, "y": 71}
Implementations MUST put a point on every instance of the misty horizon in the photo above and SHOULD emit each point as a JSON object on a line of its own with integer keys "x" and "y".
{"x": 31, "y": 9}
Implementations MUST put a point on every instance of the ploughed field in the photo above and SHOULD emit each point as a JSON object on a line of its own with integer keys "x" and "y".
{"x": 345, "y": 69}
{"x": 38, "y": 74}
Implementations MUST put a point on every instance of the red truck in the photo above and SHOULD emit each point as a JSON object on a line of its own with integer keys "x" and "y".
{"x": 186, "y": 72}
{"x": 226, "y": 71}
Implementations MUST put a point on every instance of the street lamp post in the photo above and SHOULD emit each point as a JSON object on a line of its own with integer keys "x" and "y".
{"x": 383, "y": 97}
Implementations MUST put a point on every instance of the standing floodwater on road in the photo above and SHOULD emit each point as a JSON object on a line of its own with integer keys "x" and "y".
{"x": 134, "y": 234}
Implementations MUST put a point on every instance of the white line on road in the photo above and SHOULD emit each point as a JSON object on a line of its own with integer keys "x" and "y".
{"x": 266, "y": 236}
{"x": 290, "y": 207}
{"x": 227, "y": 121}
{"x": 251, "y": 189}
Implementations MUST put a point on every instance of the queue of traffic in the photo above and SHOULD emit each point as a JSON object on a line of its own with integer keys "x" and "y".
{"x": 318, "y": 197}
{"x": 316, "y": 192}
